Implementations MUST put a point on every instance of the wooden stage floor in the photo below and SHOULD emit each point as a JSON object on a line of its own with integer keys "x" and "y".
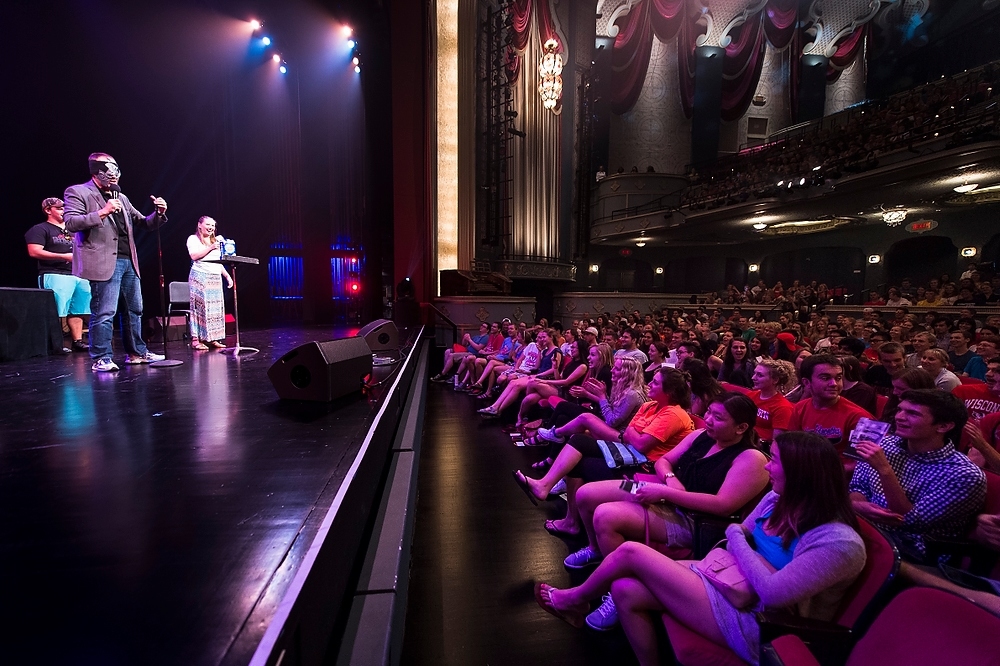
{"x": 155, "y": 516}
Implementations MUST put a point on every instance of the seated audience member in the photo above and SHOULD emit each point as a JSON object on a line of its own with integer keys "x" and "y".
{"x": 787, "y": 349}
{"x": 733, "y": 363}
{"x": 470, "y": 345}
{"x": 935, "y": 361}
{"x": 715, "y": 470}
{"x": 538, "y": 389}
{"x": 988, "y": 347}
{"x": 659, "y": 353}
{"x": 771, "y": 380}
{"x": 799, "y": 549}
{"x": 908, "y": 379}
{"x": 628, "y": 346}
{"x": 921, "y": 342}
{"x": 481, "y": 371}
{"x": 605, "y": 453}
{"x": 915, "y": 484}
{"x": 548, "y": 359}
{"x": 855, "y": 390}
{"x": 704, "y": 387}
{"x": 891, "y": 361}
{"x": 825, "y": 412}
{"x": 981, "y": 400}
{"x": 959, "y": 354}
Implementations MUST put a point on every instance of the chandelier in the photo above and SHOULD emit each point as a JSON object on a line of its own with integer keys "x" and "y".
{"x": 894, "y": 218}
{"x": 549, "y": 71}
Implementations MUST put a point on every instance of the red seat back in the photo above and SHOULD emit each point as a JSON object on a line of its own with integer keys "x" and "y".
{"x": 970, "y": 380}
{"x": 697, "y": 421}
{"x": 992, "y": 504}
{"x": 881, "y": 564}
{"x": 880, "y": 402}
{"x": 927, "y": 627}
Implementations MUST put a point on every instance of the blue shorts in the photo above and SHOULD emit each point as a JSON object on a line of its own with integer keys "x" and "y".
{"x": 72, "y": 293}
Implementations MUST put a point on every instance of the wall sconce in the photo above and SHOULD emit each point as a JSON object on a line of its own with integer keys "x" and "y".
{"x": 659, "y": 270}
{"x": 594, "y": 268}
{"x": 754, "y": 268}
{"x": 968, "y": 252}
{"x": 874, "y": 258}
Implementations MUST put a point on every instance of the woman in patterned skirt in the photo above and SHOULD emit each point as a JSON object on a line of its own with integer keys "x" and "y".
{"x": 208, "y": 309}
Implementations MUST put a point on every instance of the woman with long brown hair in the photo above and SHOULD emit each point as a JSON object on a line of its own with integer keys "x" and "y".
{"x": 799, "y": 548}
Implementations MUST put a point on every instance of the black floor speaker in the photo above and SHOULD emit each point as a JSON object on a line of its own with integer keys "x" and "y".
{"x": 322, "y": 371}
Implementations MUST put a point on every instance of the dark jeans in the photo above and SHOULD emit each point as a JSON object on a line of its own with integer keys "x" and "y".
{"x": 104, "y": 305}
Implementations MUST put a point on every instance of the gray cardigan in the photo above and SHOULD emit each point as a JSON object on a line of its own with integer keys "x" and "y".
{"x": 620, "y": 414}
{"x": 825, "y": 562}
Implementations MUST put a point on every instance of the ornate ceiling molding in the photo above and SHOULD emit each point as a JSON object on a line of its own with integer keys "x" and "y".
{"x": 832, "y": 20}
{"x": 723, "y": 17}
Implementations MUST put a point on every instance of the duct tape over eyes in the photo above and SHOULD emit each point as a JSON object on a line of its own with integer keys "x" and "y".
{"x": 105, "y": 171}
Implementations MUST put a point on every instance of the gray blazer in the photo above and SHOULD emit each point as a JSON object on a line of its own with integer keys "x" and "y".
{"x": 95, "y": 247}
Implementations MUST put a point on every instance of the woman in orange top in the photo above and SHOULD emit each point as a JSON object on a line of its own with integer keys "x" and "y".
{"x": 604, "y": 453}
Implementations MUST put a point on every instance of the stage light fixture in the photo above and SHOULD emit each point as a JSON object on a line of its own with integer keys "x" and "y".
{"x": 283, "y": 69}
{"x": 357, "y": 70}
{"x": 356, "y": 61}
{"x": 266, "y": 41}
{"x": 276, "y": 58}
{"x": 255, "y": 24}
{"x": 346, "y": 31}
{"x": 351, "y": 43}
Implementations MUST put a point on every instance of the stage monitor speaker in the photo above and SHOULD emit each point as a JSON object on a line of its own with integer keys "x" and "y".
{"x": 322, "y": 371}
{"x": 381, "y": 335}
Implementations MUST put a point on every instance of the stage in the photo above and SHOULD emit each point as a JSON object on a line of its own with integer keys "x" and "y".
{"x": 160, "y": 516}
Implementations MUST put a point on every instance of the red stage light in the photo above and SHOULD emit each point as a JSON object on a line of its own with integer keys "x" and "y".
{"x": 346, "y": 31}
{"x": 355, "y": 286}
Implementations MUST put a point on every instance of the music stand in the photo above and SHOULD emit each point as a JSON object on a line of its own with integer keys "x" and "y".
{"x": 231, "y": 261}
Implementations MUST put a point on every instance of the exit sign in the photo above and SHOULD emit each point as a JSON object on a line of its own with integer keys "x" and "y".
{"x": 920, "y": 226}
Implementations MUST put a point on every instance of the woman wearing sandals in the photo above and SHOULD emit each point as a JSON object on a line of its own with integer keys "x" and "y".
{"x": 605, "y": 453}
{"x": 208, "y": 308}
{"x": 799, "y": 549}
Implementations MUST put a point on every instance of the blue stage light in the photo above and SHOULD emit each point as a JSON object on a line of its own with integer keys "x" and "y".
{"x": 266, "y": 41}
{"x": 357, "y": 69}
{"x": 351, "y": 43}
{"x": 283, "y": 69}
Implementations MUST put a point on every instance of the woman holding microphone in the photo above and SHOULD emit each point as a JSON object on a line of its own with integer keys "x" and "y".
{"x": 208, "y": 308}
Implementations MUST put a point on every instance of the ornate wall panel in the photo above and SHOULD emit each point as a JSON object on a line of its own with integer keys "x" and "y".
{"x": 772, "y": 90}
{"x": 834, "y": 19}
{"x": 848, "y": 89}
{"x": 654, "y": 132}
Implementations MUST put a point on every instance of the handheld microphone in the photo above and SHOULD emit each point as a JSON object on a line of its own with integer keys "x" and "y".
{"x": 115, "y": 190}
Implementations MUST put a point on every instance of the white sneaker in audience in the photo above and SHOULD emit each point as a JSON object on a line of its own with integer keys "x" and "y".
{"x": 559, "y": 488}
{"x": 584, "y": 557}
{"x": 605, "y": 616}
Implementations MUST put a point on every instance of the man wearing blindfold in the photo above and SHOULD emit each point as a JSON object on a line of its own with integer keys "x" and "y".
{"x": 102, "y": 219}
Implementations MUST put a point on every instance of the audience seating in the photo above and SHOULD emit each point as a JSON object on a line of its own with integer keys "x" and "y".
{"x": 968, "y": 554}
{"x": 921, "y": 627}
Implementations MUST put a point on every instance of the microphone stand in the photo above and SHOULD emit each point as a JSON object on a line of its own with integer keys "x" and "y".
{"x": 166, "y": 362}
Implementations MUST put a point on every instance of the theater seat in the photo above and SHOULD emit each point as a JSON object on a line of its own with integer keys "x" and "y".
{"x": 922, "y": 626}
{"x": 880, "y": 402}
{"x": 970, "y": 380}
{"x": 692, "y": 649}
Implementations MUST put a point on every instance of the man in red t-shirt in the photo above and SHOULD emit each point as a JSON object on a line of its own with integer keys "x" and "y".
{"x": 825, "y": 412}
{"x": 981, "y": 400}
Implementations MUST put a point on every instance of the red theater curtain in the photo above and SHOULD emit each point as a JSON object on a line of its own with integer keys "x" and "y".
{"x": 742, "y": 67}
{"x": 521, "y": 12}
{"x": 632, "y": 48}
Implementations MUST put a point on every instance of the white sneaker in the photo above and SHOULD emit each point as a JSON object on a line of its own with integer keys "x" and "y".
{"x": 559, "y": 488}
{"x": 584, "y": 557}
{"x": 104, "y": 365}
{"x": 605, "y": 616}
{"x": 148, "y": 357}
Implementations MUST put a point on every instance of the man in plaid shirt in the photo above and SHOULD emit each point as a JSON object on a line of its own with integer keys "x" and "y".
{"x": 914, "y": 483}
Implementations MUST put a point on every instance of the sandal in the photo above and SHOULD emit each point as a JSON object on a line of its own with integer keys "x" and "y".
{"x": 215, "y": 344}
{"x": 545, "y": 463}
{"x": 535, "y": 440}
{"x": 542, "y": 596}
{"x": 550, "y": 527}
{"x": 199, "y": 346}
